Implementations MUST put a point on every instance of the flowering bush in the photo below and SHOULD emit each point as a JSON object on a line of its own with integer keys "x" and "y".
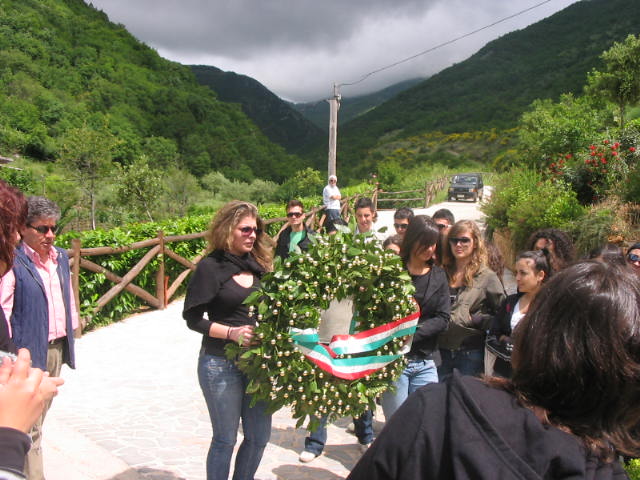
{"x": 594, "y": 173}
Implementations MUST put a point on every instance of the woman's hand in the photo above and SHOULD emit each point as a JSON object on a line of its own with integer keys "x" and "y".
{"x": 23, "y": 392}
{"x": 243, "y": 335}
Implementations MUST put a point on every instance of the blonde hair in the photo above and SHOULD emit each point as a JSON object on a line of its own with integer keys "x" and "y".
{"x": 479, "y": 256}
{"x": 220, "y": 234}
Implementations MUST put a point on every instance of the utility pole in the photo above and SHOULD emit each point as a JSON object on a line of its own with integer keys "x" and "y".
{"x": 334, "y": 106}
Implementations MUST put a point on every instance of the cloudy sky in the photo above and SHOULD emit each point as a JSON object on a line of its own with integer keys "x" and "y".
{"x": 300, "y": 48}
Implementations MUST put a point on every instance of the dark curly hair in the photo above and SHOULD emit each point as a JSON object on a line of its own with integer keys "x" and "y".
{"x": 562, "y": 252}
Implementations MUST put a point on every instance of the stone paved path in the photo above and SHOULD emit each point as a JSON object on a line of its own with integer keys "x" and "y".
{"x": 133, "y": 408}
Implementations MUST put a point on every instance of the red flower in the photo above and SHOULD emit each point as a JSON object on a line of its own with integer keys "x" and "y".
{"x": 632, "y": 149}
{"x": 614, "y": 153}
{"x": 606, "y": 142}
{"x": 604, "y": 160}
{"x": 567, "y": 156}
{"x": 594, "y": 153}
{"x": 592, "y": 147}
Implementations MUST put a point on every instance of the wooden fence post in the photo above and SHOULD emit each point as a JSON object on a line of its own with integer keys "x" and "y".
{"x": 76, "y": 244}
{"x": 161, "y": 292}
{"x": 426, "y": 194}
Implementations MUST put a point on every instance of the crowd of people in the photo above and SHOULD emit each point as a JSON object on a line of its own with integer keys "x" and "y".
{"x": 560, "y": 393}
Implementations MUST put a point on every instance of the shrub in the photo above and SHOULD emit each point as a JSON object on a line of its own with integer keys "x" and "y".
{"x": 523, "y": 202}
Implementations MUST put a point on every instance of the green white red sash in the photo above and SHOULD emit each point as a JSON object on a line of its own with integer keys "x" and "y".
{"x": 325, "y": 356}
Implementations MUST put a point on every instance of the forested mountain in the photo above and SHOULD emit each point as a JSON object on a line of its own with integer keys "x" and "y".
{"x": 276, "y": 118}
{"x": 351, "y": 107}
{"x": 64, "y": 66}
{"x": 494, "y": 86}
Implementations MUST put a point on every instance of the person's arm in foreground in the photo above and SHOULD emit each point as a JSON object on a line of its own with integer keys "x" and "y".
{"x": 23, "y": 392}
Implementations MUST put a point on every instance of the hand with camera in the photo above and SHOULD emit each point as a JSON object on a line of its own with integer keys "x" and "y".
{"x": 24, "y": 391}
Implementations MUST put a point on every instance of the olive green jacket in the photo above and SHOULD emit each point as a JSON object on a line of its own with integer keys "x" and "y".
{"x": 473, "y": 309}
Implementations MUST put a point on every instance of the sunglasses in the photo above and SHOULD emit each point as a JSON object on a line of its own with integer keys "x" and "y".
{"x": 462, "y": 240}
{"x": 249, "y": 230}
{"x": 294, "y": 214}
{"x": 441, "y": 226}
{"x": 400, "y": 226}
{"x": 43, "y": 229}
{"x": 633, "y": 257}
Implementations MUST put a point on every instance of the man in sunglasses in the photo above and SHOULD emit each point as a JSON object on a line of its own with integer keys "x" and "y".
{"x": 444, "y": 220}
{"x": 633, "y": 257}
{"x": 401, "y": 219}
{"x": 36, "y": 296}
{"x": 295, "y": 237}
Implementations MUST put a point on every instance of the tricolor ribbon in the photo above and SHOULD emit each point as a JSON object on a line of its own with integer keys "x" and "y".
{"x": 325, "y": 356}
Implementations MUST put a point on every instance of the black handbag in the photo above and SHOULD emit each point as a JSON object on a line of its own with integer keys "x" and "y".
{"x": 501, "y": 350}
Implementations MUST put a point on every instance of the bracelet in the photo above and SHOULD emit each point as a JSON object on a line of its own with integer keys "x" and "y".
{"x": 229, "y": 333}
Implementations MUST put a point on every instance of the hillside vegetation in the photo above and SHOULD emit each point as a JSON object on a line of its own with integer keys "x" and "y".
{"x": 276, "y": 118}
{"x": 63, "y": 65}
{"x": 497, "y": 84}
{"x": 351, "y": 106}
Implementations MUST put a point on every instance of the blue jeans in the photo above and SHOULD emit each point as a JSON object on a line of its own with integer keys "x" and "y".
{"x": 363, "y": 425}
{"x": 223, "y": 386}
{"x": 417, "y": 374}
{"x": 466, "y": 361}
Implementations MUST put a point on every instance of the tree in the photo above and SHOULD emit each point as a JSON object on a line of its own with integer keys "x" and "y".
{"x": 86, "y": 153}
{"x": 620, "y": 81}
{"x": 566, "y": 126}
{"x": 140, "y": 186}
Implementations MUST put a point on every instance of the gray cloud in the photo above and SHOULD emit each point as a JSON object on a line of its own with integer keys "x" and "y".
{"x": 299, "y": 48}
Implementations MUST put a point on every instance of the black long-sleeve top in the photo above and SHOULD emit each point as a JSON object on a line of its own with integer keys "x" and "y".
{"x": 432, "y": 294}
{"x": 213, "y": 290}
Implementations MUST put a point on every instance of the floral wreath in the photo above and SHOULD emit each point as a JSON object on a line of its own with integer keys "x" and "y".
{"x": 289, "y": 367}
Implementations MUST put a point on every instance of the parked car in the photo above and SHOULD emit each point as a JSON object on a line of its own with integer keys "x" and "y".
{"x": 466, "y": 186}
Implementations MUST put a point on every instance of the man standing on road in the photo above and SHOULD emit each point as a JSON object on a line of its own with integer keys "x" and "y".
{"x": 331, "y": 199}
{"x": 36, "y": 296}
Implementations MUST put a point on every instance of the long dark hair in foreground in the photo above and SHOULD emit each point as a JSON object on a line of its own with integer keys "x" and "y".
{"x": 576, "y": 358}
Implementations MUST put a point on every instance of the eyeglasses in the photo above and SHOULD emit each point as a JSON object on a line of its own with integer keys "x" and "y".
{"x": 400, "y": 226}
{"x": 633, "y": 257}
{"x": 462, "y": 240}
{"x": 43, "y": 229}
{"x": 294, "y": 214}
{"x": 248, "y": 230}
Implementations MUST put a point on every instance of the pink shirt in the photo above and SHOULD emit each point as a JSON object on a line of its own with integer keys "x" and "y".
{"x": 51, "y": 281}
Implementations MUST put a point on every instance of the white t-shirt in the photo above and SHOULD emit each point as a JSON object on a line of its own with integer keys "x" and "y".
{"x": 516, "y": 316}
{"x": 327, "y": 193}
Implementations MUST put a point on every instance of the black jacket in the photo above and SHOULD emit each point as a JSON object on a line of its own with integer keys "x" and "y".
{"x": 282, "y": 247}
{"x": 14, "y": 446}
{"x": 467, "y": 430}
{"x": 432, "y": 294}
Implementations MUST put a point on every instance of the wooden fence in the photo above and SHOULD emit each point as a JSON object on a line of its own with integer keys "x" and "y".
{"x": 427, "y": 194}
{"x": 160, "y": 247}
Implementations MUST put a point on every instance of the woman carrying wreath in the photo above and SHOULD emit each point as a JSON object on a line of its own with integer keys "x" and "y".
{"x": 476, "y": 294}
{"x": 240, "y": 254}
{"x": 432, "y": 295}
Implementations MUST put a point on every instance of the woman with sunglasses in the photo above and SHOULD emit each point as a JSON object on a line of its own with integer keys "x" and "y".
{"x": 240, "y": 255}
{"x": 432, "y": 294}
{"x": 633, "y": 257}
{"x": 476, "y": 294}
{"x": 295, "y": 236}
{"x": 570, "y": 408}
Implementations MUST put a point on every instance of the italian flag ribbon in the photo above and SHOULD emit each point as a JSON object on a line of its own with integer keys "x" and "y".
{"x": 325, "y": 356}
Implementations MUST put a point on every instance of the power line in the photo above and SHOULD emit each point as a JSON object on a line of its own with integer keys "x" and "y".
{"x": 449, "y": 42}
